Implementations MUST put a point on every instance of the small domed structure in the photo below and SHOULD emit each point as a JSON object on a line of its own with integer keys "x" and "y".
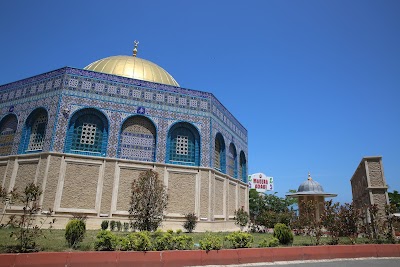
{"x": 311, "y": 190}
{"x": 310, "y": 186}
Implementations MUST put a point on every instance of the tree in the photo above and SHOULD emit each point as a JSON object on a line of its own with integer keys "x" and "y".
{"x": 350, "y": 218}
{"x": 3, "y": 201}
{"x": 25, "y": 229}
{"x": 292, "y": 200}
{"x": 331, "y": 221}
{"x": 256, "y": 204}
{"x": 241, "y": 218}
{"x": 394, "y": 199}
{"x": 308, "y": 222}
{"x": 148, "y": 202}
{"x": 267, "y": 210}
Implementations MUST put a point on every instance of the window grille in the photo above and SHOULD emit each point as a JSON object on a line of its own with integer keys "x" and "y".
{"x": 38, "y": 131}
{"x": 182, "y": 145}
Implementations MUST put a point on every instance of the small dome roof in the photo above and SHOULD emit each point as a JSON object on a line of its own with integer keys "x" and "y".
{"x": 132, "y": 67}
{"x": 310, "y": 185}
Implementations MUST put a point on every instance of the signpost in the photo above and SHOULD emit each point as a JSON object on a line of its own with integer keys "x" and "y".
{"x": 261, "y": 182}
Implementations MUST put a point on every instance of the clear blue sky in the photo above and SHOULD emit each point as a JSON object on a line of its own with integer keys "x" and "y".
{"x": 316, "y": 83}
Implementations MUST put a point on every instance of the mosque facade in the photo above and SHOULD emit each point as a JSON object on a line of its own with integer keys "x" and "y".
{"x": 85, "y": 134}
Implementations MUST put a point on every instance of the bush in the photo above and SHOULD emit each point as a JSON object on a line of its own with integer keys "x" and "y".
{"x": 106, "y": 241}
{"x": 273, "y": 242}
{"x": 210, "y": 242}
{"x": 164, "y": 241}
{"x": 241, "y": 218}
{"x": 104, "y": 225}
{"x": 75, "y": 232}
{"x": 119, "y": 226}
{"x": 126, "y": 226}
{"x": 112, "y": 225}
{"x": 138, "y": 241}
{"x": 240, "y": 239}
{"x": 183, "y": 242}
{"x": 264, "y": 243}
{"x": 190, "y": 223}
{"x": 283, "y": 233}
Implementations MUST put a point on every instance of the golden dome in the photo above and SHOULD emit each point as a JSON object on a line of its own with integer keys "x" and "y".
{"x": 132, "y": 67}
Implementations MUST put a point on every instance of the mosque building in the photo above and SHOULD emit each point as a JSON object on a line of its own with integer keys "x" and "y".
{"x": 84, "y": 135}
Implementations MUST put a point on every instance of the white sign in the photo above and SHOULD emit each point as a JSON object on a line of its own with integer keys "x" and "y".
{"x": 261, "y": 182}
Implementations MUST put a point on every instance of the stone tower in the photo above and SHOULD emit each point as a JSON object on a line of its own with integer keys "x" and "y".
{"x": 368, "y": 184}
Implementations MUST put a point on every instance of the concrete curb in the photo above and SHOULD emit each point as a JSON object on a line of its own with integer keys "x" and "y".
{"x": 196, "y": 257}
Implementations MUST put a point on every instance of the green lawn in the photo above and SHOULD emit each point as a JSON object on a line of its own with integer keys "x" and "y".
{"x": 54, "y": 240}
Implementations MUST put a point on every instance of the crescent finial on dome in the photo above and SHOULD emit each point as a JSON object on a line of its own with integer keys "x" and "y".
{"x": 135, "y": 48}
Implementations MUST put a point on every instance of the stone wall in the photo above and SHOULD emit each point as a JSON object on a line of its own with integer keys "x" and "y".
{"x": 369, "y": 185}
{"x": 100, "y": 187}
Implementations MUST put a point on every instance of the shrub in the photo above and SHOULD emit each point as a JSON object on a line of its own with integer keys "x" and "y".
{"x": 190, "y": 223}
{"x": 104, "y": 225}
{"x": 264, "y": 243}
{"x": 164, "y": 241}
{"x": 119, "y": 226}
{"x": 112, "y": 225}
{"x": 283, "y": 233}
{"x": 210, "y": 242}
{"x": 138, "y": 241}
{"x": 240, "y": 239}
{"x": 183, "y": 242}
{"x": 148, "y": 201}
{"x": 106, "y": 241}
{"x": 126, "y": 226}
{"x": 269, "y": 242}
{"x": 179, "y": 231}
{"x": 75, "y": 232}
{"x": 273, "y": 242}
{"x": 241, "y": 218}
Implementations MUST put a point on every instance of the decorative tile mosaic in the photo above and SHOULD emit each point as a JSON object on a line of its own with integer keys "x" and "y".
{"x": 148, "y": 96}
{"x": 138, "y": 139}
{"x": 119, "y": 98}
{"x": 99, "y": 87}
{"x": 124, "y": 91}
{"x": 86, "y": 85}
{"x": 136, "y": 93}
{"x": 73, "y": 83}
{"x": 160, "y": 97}
{"x": 171, "y": 99}
{"x": 193, "y": 103}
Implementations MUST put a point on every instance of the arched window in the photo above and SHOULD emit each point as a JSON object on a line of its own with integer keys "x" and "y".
{"x": 87, "y": 133}
{"x": 243, "y": 167}
{"x": 232, "y": 161}
{"x": 8, "y": 127}
{"x": 137, "y": 139}
{"x": 34, "y": 132}
{"x": 183, "y": 145}
{"x": 219, "y": 153}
